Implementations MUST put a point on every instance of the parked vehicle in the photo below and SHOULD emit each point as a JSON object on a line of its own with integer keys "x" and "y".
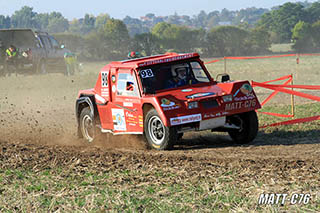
{"x": 164, "y": 96}
{"x": 37, "y": 52}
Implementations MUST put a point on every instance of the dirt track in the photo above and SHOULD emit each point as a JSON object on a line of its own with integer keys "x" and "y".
{"x": 40, "y": 110}
{"x": 38, "y": 131}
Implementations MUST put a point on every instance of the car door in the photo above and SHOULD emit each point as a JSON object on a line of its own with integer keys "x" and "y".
{"x": 48, "y": 48}
{"x": 126, "y": 110}
{"x": 58, "y": 52}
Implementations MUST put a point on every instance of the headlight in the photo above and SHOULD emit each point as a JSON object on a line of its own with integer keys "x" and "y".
{"x": 227, "y": 98}
{"x": 193, "y": 105}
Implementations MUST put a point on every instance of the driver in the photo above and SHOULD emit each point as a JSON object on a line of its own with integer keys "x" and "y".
{"x": 179, "y": 73}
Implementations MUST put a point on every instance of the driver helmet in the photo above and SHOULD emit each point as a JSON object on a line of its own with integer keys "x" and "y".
{"x": 180, "y": 71}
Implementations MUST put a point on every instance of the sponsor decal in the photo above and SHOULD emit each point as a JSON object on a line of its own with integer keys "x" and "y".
{"x": 185, "y": 119}
{"x": 113, "y": 78}
{"x": 113, "y": 88}
{"x": 131, "y": 119}
{"x": 180, "y": 57}
{"x": 119, "y": 122}
{"x": 244, "y": 98}
{"x": 132, "y": 124}
{"x": 132, "y": 100}
{"x": 105, "y": 92}
{"x": 130, "y": 116}
{"x": 214, "y": 115}
{"x": 146, "y": 73}
{"x": 127, "y": 104}
{"x": 104, "y": 79}
{"x": 171, "y": 108}
{"x": 168, "y": 105}
{"x": 198, "y": 95}
{"x": 246, "y": 89}
{"x": 241, "y": 105}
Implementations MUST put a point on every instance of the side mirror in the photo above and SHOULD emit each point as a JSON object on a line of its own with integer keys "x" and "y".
{"x": 224, "y": 77}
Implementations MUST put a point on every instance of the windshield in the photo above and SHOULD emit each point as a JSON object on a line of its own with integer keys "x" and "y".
{"x": 173, "y": 75}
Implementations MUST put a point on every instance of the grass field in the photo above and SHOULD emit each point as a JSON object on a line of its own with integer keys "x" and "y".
{"x": 42, "y": 171}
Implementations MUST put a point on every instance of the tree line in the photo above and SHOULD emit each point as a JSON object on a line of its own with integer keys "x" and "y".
{"x": 246, "y": 32}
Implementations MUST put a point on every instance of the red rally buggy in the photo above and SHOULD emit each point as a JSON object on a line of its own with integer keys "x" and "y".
{"x": 145, "y": 96}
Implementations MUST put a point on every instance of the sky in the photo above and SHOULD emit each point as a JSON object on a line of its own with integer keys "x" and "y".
{"x": 120, "y": 8}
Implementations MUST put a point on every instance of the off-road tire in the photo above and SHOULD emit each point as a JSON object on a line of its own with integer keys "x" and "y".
{"x": 88, "y": 129}
{"x": 249, "y": 126}
{"x": 159, "y": 136}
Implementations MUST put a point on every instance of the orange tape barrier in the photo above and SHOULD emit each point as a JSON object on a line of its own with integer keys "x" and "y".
{"x": 262, "y": 57}
{"x": 276, "y": 92}
{"x": 296, "y": 121}
{"x": 277, "y": 114}
{"x": 213, "y": 61}
{"x": 282, "y": 88}
{"x": 259, "y": 57}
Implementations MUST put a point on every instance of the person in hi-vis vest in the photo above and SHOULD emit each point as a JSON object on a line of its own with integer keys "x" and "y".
{"x": 11, "y": 56}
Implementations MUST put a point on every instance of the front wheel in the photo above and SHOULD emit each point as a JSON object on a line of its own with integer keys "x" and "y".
{"x": 249, "y": 125}
{"x": 158, "y": 135}
{"x": 87, "y": 126}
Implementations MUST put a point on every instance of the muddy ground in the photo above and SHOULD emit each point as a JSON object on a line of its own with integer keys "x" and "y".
{"x": 38, "y": 129}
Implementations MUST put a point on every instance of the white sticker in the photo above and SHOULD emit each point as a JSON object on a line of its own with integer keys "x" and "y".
{"x": 113, "y": 88}
{"x": 104, "y": 79}
{"x": 185, "y": 119}
{"x": 127, "y": 104}
{"x": 100, "y": 99}
{"x": 146, "y": 73}
{"x": 119, "y": 121}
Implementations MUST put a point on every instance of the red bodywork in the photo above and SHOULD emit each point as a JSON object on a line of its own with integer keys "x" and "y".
{"x": 122, "y": 113}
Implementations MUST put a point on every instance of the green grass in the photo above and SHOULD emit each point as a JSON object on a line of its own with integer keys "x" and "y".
{"x": 278, "y": 48}
{"x": 64, "y": 189}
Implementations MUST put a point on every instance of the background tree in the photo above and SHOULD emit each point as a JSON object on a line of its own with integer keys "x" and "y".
{"x": 315, "y": 29}
{"x": 282, "y": 20}
{"x": 114, "y": 39}
{"x": 57, "y": 23}
{"x": 146, "y": 43}
{"x": 101, "y": 20}
{"x": 24, "y": 18}
{"x": 259, "y": 41}
{"x": 302, "y": 37}
{"x": 5, "y": 22}
{"x": 227, "y": 41}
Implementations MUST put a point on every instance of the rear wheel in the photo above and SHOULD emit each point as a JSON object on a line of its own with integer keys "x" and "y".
{"x": 87, "y": 126}
{"x": 249, "y": 125}
{"x": 157, "y": 134}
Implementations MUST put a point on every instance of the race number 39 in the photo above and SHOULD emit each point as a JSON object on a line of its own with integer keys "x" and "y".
{"x": 146, "y": 73}
{"x": 104, "y": 79}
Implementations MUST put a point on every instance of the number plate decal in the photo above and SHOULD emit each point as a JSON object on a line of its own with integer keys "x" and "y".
{"x": 146, "y": 73}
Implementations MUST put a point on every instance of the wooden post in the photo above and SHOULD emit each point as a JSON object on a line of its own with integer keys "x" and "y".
{"x": 298, "y": 62}
{"x": 292, "y": 99}
{"x": 225, "y": 64}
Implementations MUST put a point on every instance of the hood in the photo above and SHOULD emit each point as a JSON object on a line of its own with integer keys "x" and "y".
{"x": 193, "y": 93}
